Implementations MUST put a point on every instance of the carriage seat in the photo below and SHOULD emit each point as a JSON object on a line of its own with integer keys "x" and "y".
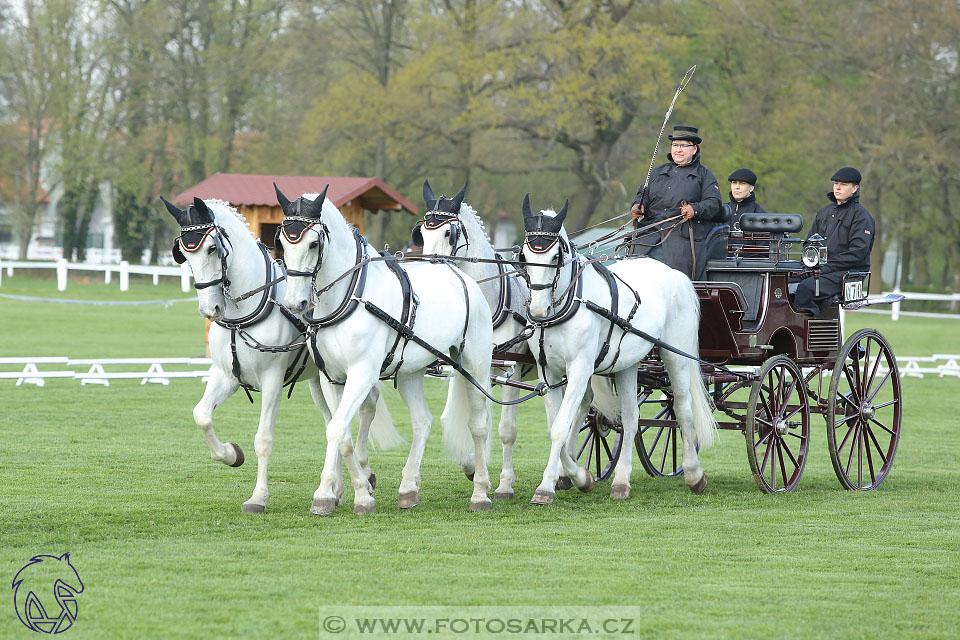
{"x": 716, "y": 248}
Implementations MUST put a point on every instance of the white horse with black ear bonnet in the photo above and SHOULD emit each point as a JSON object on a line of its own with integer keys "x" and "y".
{"x": 253, "y": 340}
{"x": 573, "y": 340}
{"x": 451, "y": 227}
{"x": 368, "y": 319}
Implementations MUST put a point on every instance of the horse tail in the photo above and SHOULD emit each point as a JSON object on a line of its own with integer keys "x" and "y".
{"x": 457, "y": 438}
{"x": 703, "y": 423}
{"x": 605, "y": 398}
{"x": 382, "y": 430}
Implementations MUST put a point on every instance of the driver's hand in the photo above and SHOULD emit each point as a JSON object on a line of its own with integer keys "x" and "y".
{"x": 686, "y": 211}
{"x": 637, "y": 210}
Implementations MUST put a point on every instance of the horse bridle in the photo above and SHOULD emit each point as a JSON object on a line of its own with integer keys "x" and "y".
{"x": 219, "y": 234}
{"x": 434, "y": 220}
{"x": 323, "y": 234}
{"x": 559, "y": 262}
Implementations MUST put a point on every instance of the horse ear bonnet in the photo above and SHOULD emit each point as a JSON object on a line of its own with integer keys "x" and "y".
{"x": 196, "y": 221}
{"x": 542, "y": 231}
{"x": 299, "y": 216}
{"x": 440, "y": 211}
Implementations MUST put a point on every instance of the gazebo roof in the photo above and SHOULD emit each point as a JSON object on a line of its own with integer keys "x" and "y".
{"x": 254, "y": 189}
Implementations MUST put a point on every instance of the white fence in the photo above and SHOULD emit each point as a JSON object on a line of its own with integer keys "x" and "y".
{"x": 150, "y": 370}
{"x": 124, "y": 269}
{"x": 95, "y": 374}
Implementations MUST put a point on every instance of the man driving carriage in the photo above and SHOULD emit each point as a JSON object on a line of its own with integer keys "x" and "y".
{"x": 681, "y": 187}
{"x": 849, "y": 232}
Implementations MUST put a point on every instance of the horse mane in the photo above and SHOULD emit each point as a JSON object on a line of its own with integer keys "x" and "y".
{"x": 472, "y": 222}
{"x": 328, "y": 209}
{"x": 550, "y": 213}
{"x": 237, "y": 219}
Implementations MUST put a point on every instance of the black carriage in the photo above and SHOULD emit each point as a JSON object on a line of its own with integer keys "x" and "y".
{"x": 769, "y": 367}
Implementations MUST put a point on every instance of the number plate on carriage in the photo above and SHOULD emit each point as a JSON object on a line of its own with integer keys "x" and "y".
{"x": 853, "y": 291}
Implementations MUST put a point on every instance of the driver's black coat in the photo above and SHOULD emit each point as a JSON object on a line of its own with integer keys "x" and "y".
{"x": 670, "y": 186}
{"x": 849, "y": 231}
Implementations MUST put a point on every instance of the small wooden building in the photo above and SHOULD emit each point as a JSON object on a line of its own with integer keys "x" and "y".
{"x": 253, "y": 196}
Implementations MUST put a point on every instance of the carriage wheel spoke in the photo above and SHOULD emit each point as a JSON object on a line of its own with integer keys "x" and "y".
{"x": 663, "y": 458}
{"x": 794, "y": 412}
{"x": 589, "y": 450}
{"x": 873, "y": 438}
{"x": 885, "y": 404}
{"x": 586, "y": 441}
{"x": 766, "y": 405}
{"x": 607, "y": 448}
{"x": 873, "y": 475}
{"x": 854, "y": 389}
{"x": 860, "y": 459}
{"x": 766, "y": 434}
{"x": 853, "y": 449}
{"x": 856, "y": 366}
{"x": 766, "y": 454}
{"x": 883, "y": 426}
{"x": 599, "y": 440}
{"x": 653, "y": 447}
{"x": 880, "y": 384}
{"x": 839, "y": 422}
{"x": 866, "y": 363}
{"x": 873, "y": 373}
{"x": 783, "y": 467}
{"x": 674, "y": 434}
{"x": 850, "y": 402}
{"x": 789, "y": 453}
{"x": 773, "y": 463}
{"x": 850, "y": 430}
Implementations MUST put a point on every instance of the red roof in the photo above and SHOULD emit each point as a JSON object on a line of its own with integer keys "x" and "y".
{"x": 253, "y": 189}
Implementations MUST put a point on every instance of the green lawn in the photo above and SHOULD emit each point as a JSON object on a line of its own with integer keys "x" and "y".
{"x": 121, "y": 478}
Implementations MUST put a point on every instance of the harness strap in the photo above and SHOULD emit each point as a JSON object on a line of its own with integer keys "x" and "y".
{"x": 614, "y": 305}
{"x": 626, "y": 326}
{"x": 409, "y": 335}
{"x": 408, "y": 314}
{"x": 262, "y": 311}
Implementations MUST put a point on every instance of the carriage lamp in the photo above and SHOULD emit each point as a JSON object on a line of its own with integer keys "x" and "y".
{"x": 814, "y": 251}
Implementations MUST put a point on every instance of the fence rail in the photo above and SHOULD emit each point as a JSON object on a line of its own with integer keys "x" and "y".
{"x": 123, "y": 269}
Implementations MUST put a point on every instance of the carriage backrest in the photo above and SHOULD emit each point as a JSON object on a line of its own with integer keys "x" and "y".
{"x": 771, "y": 222}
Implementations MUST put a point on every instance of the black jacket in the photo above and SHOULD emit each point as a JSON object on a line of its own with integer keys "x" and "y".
{"x": 747, "y": 205}
{"x": 849, "y": 230}
{"x": 671, "y": 185}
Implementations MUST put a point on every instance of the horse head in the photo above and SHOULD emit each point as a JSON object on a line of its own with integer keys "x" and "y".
{"x": 301, "y": 241}
{"x": 545, "y": 243}
{"x": 440, "y": 232}
{"x": 205, "y": 247}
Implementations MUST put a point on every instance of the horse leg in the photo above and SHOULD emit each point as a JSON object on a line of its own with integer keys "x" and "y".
{"x": 479, "y": 424}
{"x": 578, "y": 376}
{"x": 508, "y": 436}
{"x": 680, "y": 376}
{"x": 564, "y": 482}
{"x": 629, "y": 414}
{"x": 339, "y": 443}
{"x": 410, "y": 386}
{"x": 220, "y": 387}
{"x": 327, "y": 396}
{"x": 368, "y": 410}
{"x": 270, "y": 394}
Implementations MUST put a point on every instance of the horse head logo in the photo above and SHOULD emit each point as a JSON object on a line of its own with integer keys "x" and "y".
{"x": 45, "y": 593}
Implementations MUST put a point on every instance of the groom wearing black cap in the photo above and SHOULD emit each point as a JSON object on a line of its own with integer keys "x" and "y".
{"x": 681, "y": 187}
{"x": 849, "y": 232}
{"x": 742, "y": 197}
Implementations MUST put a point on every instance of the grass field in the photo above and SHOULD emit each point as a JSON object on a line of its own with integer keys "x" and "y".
{"x": 121, "y": 478}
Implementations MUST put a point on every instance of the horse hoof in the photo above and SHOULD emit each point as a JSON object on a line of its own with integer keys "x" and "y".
{"x": 364, "y": 509}
{"x": 620, "y": 491}
{"x": 469, "y": 475}
{"x": 564, "y": 483}
{"x": 252, "y": 507}
{"x": 239, "y": 460}
{"x": 589, "y": 484}
{"x": 480, "y": 505}
{"x": 542, "y": 497}
{"x": 323, "y": 506}
{"x": 373, "y": 481}
{"x": 409, "y": 499}
{"x": 503, "y": 495}
{"x": 700, "y": 486}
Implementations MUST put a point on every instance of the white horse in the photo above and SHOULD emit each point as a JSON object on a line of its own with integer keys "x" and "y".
{"x": 252, "y": 339}
{"x": 330, "y": 266}
{"x": 452, "y": 228}
{"x": 570, "y": 337}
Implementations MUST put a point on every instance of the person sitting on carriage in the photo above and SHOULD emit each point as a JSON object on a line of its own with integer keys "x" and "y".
{"x": 681, "y": 187}
{"x": 849, "y": 232}
{"x": 742, "y": 197}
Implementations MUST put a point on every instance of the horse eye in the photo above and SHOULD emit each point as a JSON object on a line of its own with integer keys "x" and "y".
{"x": 212, "y": 249}
{"x": 314, "y": 244}
{"x": 447, "y": 234}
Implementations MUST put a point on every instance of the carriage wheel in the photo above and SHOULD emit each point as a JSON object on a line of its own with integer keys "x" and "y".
{"x": 600, "y": 442}
{"x": 660, "y": 448}
{"x": 778, "y": 426}
{"x": 864, "y": 411}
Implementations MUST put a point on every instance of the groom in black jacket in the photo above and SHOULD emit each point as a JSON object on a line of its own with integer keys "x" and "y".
{"x": 849, "y": 232}
{"x": 742, "y": 197}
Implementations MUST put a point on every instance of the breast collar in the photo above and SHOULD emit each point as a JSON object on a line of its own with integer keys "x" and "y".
{"x": 354, "y": 292}
{"x": 269, "y": 295}
{"x": 571, "y": 302}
